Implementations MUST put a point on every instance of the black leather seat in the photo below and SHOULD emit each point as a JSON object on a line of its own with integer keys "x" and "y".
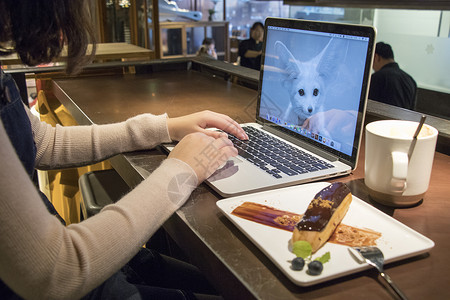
{"x": 100, "y": 188}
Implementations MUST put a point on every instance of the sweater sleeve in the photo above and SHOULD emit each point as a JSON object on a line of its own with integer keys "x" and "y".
{"x": 42, "y": 259}
{"x": 71, "y": 146}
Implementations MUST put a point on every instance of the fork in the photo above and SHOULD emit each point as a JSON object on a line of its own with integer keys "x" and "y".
{"x": 373, "y": 256}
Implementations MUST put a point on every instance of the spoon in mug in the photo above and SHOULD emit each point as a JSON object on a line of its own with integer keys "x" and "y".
{"x": 413, "y": 143}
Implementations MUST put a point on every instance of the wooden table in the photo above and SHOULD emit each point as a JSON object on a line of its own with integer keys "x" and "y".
{"x": 233, "y": 263}
{"x": 105, "y": 51}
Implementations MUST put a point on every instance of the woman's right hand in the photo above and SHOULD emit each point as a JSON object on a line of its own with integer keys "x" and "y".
{"x": 204, "y": 153}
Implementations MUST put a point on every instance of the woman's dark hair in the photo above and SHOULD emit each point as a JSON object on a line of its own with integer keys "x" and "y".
{"x": 256, "y": 24}
{"x": 208, "y": 41}
{"x": 38, "y": 29}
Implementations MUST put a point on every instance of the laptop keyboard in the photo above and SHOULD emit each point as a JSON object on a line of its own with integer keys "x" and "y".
{"x": 276, "y": 157}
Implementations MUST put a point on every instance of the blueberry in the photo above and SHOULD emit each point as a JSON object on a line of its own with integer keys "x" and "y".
{"x": 315, "y": 267}
{"x": 297, "y": 264}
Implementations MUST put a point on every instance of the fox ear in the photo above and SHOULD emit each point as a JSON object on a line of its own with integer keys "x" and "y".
{"x": 331, "y": 58}
{"x": 286, "y": 62}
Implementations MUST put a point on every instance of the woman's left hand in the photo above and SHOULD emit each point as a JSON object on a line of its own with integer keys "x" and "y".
{"x": 199, "y": 122}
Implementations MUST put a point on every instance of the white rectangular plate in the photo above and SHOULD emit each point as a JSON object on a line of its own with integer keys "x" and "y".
{"x": 397, "y": 241}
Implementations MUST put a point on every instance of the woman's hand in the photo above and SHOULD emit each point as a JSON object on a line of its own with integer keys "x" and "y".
{"x": 198, "y": 122}
{"x": 204, "y": 153}
{"x": 212, "y": 53}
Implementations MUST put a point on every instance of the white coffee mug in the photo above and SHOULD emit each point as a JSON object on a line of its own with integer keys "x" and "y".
{"x": 392, "y": 177}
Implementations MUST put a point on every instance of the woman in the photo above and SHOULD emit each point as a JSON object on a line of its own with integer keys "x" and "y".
{"x": 39, "y": 257}
{"x": 208, "y": 48}
{"x": 250, "y": 50}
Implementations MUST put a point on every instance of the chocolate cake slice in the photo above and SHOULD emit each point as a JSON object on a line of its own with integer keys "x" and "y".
{"x": 323, "y": 215}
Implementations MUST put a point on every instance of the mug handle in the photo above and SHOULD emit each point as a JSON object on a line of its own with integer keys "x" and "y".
{"x": 399, "y": 171}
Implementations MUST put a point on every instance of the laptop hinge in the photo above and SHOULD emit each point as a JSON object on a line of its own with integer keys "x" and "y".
{"x": 316, "y": 150}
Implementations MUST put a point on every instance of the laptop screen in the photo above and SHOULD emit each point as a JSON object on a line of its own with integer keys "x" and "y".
{"x": 314, "y": 80}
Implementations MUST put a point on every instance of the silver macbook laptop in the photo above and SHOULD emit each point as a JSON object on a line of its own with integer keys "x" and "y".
{"x": 311, "y": 105}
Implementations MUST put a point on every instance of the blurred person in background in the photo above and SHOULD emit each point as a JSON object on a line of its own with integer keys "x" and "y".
{"x": 250, "y": 50}
{"x": 208, "y": 48}
{"x": 390, "y": 84}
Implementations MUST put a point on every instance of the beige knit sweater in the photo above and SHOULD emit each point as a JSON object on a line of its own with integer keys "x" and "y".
{"x": 42, "y": 259}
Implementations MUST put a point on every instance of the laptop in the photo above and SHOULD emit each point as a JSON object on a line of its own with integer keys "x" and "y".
{"x": 311, "y": 106}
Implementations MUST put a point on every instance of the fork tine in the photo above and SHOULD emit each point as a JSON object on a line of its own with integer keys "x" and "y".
{"x": 356, "y": 255}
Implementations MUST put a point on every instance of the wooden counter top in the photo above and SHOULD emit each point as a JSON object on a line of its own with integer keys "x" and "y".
{"x": 233, "y": 263}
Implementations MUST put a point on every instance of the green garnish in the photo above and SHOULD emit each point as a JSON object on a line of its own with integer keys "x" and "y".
{"x": 302, "y": 249}
{"x": 324, "y": 258}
